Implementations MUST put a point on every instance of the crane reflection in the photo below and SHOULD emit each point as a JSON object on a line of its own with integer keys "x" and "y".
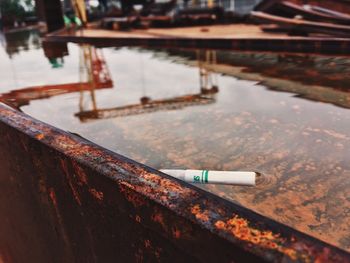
{"x": 94, "y": 75}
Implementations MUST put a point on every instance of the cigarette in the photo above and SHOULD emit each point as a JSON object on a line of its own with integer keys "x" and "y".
{"x": 213, "y": 177}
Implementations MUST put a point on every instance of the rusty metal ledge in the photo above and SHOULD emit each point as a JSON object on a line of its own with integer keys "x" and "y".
{"x": 316, "y": 45}
{"x": 65, "y": 199}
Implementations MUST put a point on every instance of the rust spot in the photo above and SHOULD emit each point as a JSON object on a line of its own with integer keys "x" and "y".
{"x": 97, "y": 194}
{"x": 240, "y": 228}
{"x": 137, "y": 201}
{"x": 203, "y": 216}
{"x": 158, "y": 217}
{"x": 75, "y": 193}
{"x": 70, "y": 183}
{"x": 176, "y": 233}
{"x": 80, "y": 174}
{"x": 220, "y": 225}
{"x": 53, "y": 197}
{"x": 40, "y": 136}
{"x": 166, "y": 186}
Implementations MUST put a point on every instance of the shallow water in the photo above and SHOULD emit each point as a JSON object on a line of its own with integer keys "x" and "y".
{"x": 286, "y": 116}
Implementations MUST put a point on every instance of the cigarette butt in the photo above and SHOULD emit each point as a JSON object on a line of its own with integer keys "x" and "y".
{"x": 213, "y": 177}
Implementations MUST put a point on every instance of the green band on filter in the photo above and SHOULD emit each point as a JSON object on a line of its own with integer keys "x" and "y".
{"x": 202, "y": 181}
{"x": 206, "y": 176}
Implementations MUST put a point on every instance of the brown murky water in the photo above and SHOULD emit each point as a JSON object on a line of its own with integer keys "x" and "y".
{"x": 286, "y": 116}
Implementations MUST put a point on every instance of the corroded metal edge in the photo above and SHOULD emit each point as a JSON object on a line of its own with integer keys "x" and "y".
{"x": 334, "y": 46}
{"x": 98, "y": 199}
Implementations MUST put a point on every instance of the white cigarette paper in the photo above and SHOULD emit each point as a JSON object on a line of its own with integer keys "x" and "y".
{"x": 213, "y": 177}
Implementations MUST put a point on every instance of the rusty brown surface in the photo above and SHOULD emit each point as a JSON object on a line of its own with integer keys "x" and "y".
{"x": 339, "y": 5}
{"x": 148, "y": 106}
{"x": 64, "y": 199}
{"x": 305, "y": 26}
{"x": 320, "y": 78}
{"x": 236, "y": 41}
{"x": 21, "y": 97}
{"x": 290, "y": 9}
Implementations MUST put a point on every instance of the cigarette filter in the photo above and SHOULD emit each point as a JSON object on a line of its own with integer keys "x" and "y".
{"x": 213, "y": 177}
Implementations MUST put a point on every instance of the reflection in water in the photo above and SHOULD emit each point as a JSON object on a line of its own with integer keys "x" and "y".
{"x": 266, "y": 118}
{"x": 208, "y": 79}
{"x": 93, "y": 71}
{"x": 55, "y": 53}
{"x": 94, "y": 74}
{"x": 208, "y": 89}
{"x": 16, "y": 42}
{"x": 322, "y": 79}
{"x": 146, "y": 106}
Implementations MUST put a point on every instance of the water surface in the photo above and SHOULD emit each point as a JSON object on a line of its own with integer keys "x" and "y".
{"x": 286, "y": 116}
